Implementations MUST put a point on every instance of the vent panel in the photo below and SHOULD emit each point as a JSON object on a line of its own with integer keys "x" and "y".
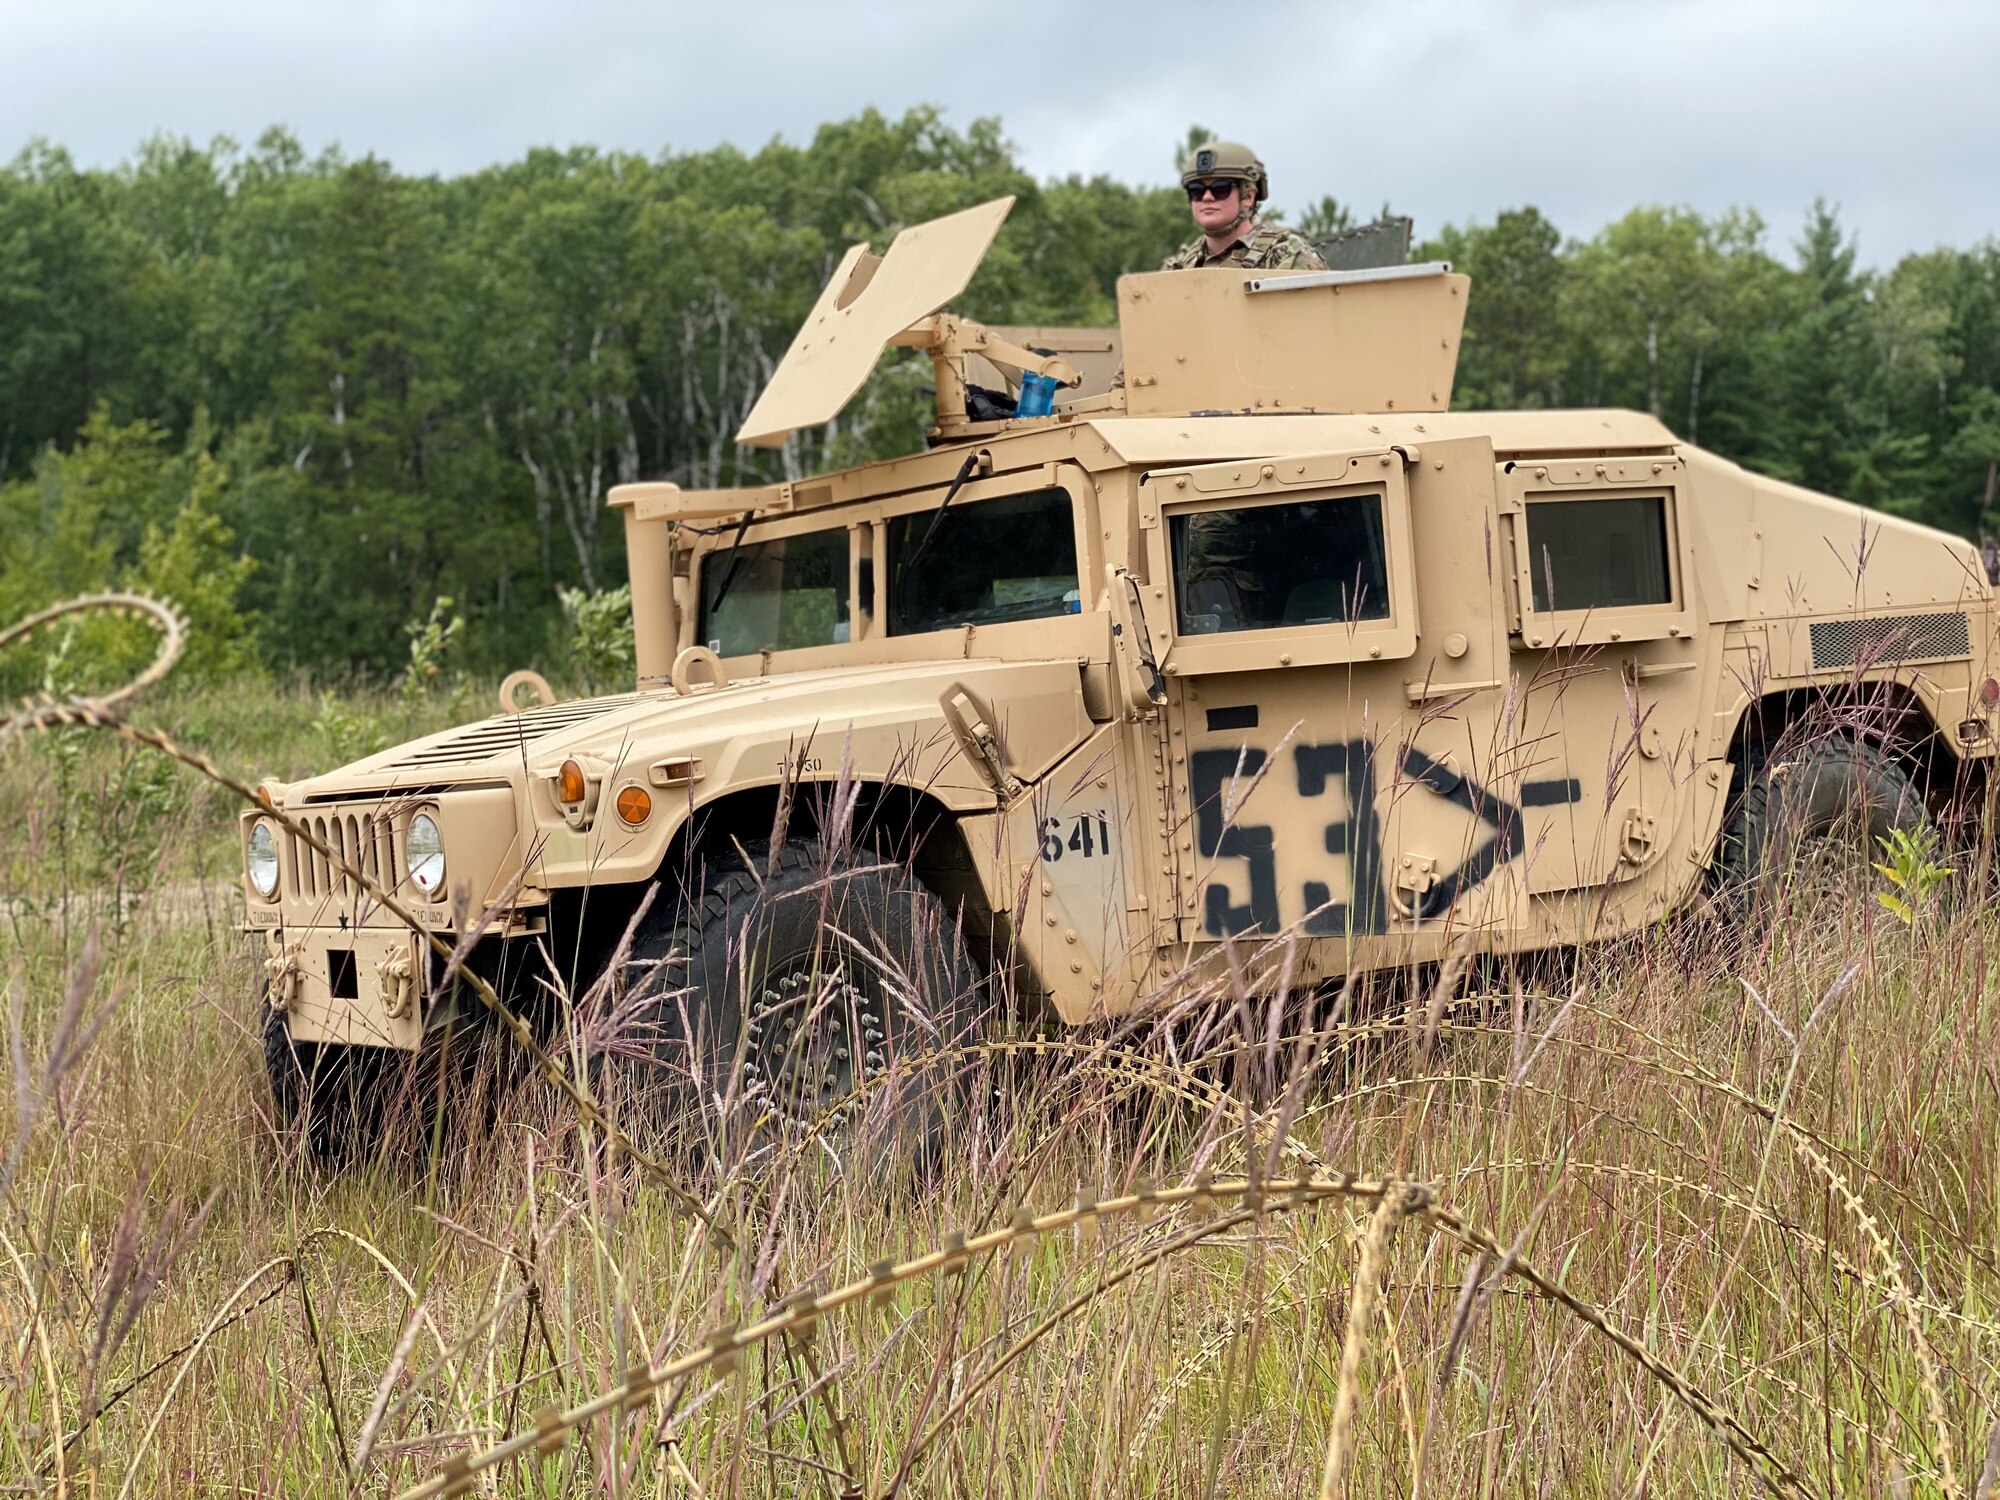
{"x": 363, "y": 836}
{"x": 491, "y": 737}
{"x": 1889, "y": 638}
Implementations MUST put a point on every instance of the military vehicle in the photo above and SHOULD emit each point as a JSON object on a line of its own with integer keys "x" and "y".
{"x": 1261, "y": 641}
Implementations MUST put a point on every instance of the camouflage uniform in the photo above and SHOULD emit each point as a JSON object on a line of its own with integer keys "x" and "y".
{"x": 1257, "y": 247}
{"x": 1218, "y": 544}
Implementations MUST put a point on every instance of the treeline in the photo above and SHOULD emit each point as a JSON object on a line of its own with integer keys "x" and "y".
{"x": 307, "y": 395}
{"x": 1880, "y": 388}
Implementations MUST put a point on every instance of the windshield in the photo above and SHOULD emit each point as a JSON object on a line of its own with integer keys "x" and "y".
{"x": 775, "y": 595}
{"x": 991, "y": 560}
{"x": 1312, "y": 562}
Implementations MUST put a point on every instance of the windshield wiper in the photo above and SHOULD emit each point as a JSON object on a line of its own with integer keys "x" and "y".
{"x": 964, "y": 473}
{"x": 734, "y": 558}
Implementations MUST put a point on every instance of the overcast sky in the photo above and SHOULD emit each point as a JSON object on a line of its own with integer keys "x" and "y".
{"x": 1450, "y": 112}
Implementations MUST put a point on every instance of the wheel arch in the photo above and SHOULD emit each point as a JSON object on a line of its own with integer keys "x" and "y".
{"x": 1881, "y": 712}
{"x": 898, "y": 823}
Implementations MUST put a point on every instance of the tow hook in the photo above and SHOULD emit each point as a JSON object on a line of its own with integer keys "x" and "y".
{"x": 282, "y": 968}
{"x": 397, "y": 976}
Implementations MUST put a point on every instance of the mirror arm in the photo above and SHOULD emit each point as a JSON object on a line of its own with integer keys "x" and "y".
{"x": 1145, "y": 688}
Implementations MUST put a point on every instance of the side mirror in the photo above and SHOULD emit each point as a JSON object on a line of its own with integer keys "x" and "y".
{"x": 1138, "y": 671}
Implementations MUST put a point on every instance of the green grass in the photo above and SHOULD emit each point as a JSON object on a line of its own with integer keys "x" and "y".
{"x": 90, "y": 814}
{"x": 1776, "y": 1168}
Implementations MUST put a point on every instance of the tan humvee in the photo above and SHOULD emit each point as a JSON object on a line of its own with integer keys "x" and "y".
{"x": 1266, "y": 641}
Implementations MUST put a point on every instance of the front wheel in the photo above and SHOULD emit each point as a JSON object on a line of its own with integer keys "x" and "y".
{"x": 321, "y": 1096}
{"x": 809, "y": 995}
{"x": 343, "y": 1104}
{"x": 1820, "y": 809}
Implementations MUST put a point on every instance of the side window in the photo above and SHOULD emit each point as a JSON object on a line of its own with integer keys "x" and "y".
{"x": 1303, "y": 562}
{"x": 983, "y": 562}
{"x": 1599, "y": 553}
{"x": 775, "y": 595}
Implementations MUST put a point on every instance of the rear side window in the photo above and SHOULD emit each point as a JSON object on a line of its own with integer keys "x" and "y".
{"x": 982, "y": 563}
{"x": 1599, "y": 554}
{"x": 1309, "y": 562}
{"x": 776, "y": 595}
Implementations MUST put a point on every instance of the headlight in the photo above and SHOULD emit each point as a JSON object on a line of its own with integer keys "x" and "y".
{"x": 423, "y": 851}
{"x": 261, "y": 860}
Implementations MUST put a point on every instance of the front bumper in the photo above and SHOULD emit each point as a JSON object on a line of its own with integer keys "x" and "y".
{"x": 353, "y": 987}
{"x": 382, "y": 987}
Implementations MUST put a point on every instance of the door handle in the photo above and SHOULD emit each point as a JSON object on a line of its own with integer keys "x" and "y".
{"x": 1419, "y": 692}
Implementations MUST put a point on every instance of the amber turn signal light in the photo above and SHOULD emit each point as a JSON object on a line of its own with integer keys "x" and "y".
{"x": 571, "y": 786}
{"x": 635, "y": 804}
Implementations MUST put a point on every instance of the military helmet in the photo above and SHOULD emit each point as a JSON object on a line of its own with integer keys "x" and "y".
{"x": 1228, "y": 159}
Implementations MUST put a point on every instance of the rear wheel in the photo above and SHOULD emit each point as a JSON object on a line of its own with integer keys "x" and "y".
{"x": 804, "y": 996}
{"x": 1809, "y": 815}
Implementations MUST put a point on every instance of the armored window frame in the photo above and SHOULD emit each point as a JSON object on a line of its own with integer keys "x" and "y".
{"x": 716, "y": 545}
{"x": 1528, "y": 487}
{"x": 1320, "y": 477}
{"x": 1035, "y": 636}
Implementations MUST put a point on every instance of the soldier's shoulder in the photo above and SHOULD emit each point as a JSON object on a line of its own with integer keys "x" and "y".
{"x": 1188, "y": 255}
{"x": 1276, "y": 248}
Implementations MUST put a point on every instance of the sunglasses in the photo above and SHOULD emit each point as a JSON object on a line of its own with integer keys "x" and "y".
{"x": 1218, "y": 190}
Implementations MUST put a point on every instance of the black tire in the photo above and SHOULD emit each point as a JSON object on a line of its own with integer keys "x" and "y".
{"x": 1833, "y": 796}
{"x": 799, "y": 995}
{"x": 346, "y": 1104}
{"x": 315, "y": 1093}
{"x": 283, "y": 1070}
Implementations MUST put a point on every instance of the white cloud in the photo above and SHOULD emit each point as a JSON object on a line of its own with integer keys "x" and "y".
{"x": 1449, "y": 111}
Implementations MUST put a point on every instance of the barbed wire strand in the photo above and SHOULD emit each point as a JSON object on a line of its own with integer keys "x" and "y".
{"x": 104, "y": 711}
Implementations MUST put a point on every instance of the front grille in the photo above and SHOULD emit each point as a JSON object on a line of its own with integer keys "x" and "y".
{"x": 490, "y": 737}
{"x": 1889, "y": 638}
{"x": 364, "y": 837}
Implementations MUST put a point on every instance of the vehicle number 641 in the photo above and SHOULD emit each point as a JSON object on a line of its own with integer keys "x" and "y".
{"x": 1088, "y": 835}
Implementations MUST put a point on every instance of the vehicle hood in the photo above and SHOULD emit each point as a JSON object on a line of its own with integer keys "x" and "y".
{"x": 1036, "y": 708}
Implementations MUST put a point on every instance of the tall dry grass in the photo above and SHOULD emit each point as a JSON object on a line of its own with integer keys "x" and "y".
{"x": 1688, "y": 1215}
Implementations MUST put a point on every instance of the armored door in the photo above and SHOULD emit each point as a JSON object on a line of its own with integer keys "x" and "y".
{"x": 1331, "y": 631}
{"x": 1607, "y": 650}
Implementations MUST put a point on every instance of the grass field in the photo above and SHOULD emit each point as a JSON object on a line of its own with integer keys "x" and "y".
{"x": 1697, "y": 1216}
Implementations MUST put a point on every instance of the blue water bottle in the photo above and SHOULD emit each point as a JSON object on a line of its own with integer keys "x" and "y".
{"x": 1038, "y": 395}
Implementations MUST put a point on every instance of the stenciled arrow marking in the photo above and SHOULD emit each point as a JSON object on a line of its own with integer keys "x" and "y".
{"x": 1356, "y": 838}
{"x": 1502, "y": 816}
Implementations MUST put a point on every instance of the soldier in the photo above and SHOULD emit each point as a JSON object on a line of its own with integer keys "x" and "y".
{"x": 1225, "y": 182}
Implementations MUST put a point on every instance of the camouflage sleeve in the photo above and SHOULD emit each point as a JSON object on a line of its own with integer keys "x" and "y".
{"x": 1295, "y": 253}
